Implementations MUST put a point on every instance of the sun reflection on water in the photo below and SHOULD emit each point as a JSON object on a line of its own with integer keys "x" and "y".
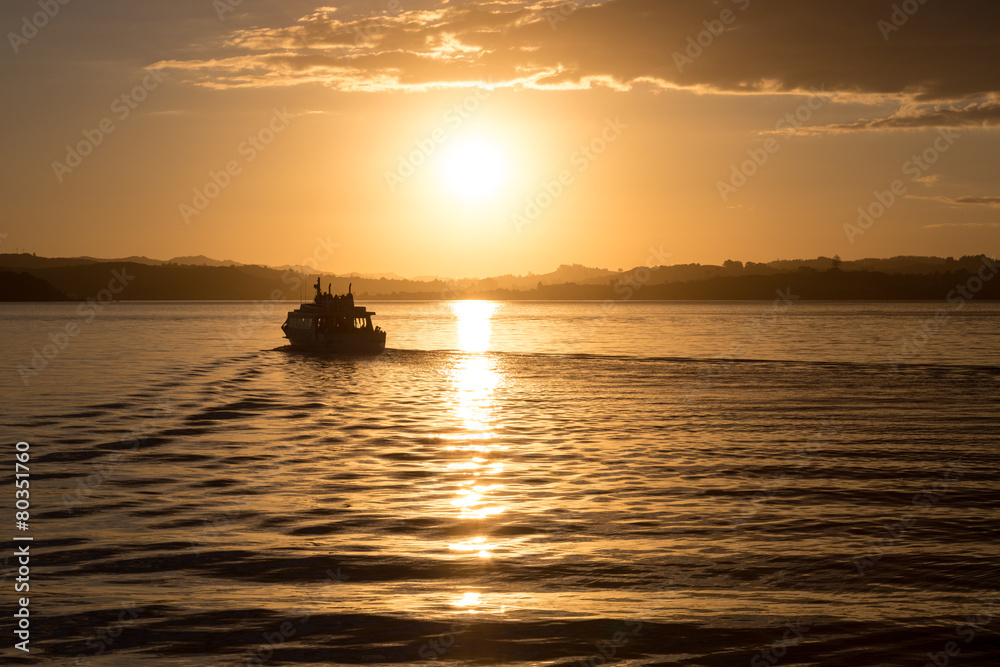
{"x": 475, "y": 380}
{"x": 470, "y": 449}
{"x": 476, "y": 544}
{"x": 474, "y": 377}
{"x": 473, "y": 603}
{"x": 469, "y": 600}
{"x": 474, "y": 324}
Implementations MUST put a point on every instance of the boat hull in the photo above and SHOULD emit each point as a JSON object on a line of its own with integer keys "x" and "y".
{"x": 349, "y": 342}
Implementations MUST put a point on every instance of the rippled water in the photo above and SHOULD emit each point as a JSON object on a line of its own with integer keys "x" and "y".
{"x": 512, "y": 483}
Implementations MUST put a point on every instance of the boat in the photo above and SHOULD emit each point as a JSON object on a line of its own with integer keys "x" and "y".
{"x": 332, "y": 323}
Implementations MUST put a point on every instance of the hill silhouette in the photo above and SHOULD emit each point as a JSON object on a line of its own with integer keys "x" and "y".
{"x": 27, "y": 277}
{"x": 21, "y": 286}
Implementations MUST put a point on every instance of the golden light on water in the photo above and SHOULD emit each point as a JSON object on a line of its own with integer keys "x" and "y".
{"x": 473, "y": 603}
{"x": 473, "y": 503}
{"x": 474, "y": 324}
{"x": 469, "y": 600}
{"x": 466, "y": 465}
{"x": 476, "y": 544}
{"x": 628, "y": 497}
{"x": 475, "y": 379}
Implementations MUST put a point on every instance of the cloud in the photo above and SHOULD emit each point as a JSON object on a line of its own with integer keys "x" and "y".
{"x": 981, "y": 114}
{"x": 989, "y": 201}
{"x": 956, "y": 201}
{"x": 944, "y": 52}
{"x": 970, "y": 225}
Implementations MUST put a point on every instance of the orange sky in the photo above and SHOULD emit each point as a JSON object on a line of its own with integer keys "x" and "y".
{"x": 480, "y": 138}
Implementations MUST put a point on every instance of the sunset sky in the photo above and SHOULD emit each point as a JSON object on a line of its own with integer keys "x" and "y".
{"x": 481, "y": 138}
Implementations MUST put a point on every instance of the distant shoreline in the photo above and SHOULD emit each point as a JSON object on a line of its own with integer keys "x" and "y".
{"x": 30, "y": 279}
{"x": 624, "y": 302}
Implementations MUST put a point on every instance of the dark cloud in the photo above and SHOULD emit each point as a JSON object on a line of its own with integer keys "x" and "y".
{"x": 980, "y": 201}
{"x": 967, "y": 225}
{"x": 944, "y": 51}
{"x": 972, "y": 114}
{"x": 991, "y": 201}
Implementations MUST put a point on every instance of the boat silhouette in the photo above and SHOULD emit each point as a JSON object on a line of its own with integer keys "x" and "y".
{"x": 332, "y": 323}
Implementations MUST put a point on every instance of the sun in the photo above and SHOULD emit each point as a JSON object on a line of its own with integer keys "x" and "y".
{"x": 473, "y": 168}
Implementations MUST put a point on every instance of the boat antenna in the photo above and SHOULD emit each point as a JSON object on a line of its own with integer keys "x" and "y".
{"x": 349, "y": 287}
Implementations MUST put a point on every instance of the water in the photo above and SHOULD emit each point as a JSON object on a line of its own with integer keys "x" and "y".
{"x": 511, "y": 484}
